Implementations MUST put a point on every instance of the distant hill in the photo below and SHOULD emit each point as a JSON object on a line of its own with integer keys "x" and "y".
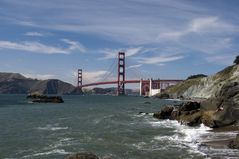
{"x": 15, "y": 83}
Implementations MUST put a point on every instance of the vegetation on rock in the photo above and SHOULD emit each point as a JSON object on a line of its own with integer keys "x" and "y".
{"x": 177, "y": 90}
{"x": 236, "y": 61}
{"x": 196, "y": 76}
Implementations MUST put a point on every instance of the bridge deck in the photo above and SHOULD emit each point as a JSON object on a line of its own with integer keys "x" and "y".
{"x": 127, "y": 81}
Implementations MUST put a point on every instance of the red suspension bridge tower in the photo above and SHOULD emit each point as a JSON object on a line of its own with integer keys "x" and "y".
{"x": 79, "y": 78}
{"x": 121, "y": 74}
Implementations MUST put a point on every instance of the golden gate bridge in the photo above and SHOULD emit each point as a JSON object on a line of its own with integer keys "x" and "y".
{"x": 147, "y": 87}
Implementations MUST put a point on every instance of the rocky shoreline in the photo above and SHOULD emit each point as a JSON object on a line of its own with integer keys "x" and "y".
{"x": 192, "y": 113}
{"x": 212, "y": 101}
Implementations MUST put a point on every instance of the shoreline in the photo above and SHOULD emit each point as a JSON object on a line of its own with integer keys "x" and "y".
{"x": 216, "y": 140}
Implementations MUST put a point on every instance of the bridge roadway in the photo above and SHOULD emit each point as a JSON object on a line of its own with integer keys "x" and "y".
{"x": 126, "y": 81}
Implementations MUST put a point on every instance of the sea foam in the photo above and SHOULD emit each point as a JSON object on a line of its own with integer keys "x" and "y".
{"x": 50, "y": 127}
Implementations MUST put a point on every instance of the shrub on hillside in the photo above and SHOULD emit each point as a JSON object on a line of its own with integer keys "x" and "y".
{"x": 196, "y": 76}
{"x": 236, "y": 61}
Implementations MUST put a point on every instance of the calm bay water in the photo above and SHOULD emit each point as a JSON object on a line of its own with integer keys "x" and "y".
{"x": 107, "y": 126}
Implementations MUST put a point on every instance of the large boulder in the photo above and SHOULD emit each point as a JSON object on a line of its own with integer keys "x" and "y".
{"x": 163, "y": 96}
{"x": 189, "y": 106}
{"x": 186, "y": 113}
{"x": 82, "y": 156}
{"x": 164, "y": 113}
{"x": 175, "y": 114}
{"x": 223, "y": 108}
{"x": 193, "y": 119}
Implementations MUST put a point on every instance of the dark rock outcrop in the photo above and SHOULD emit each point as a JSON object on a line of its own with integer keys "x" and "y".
{"x": 82, "y": 156}
{"x": 234, "y": 144}
{"x": 218, "y": 111}
{"x": 189, "y": 106}
{"x": 45, "y": 99}
{"x": 224, "y": 105}
{"x": 186, "y": 113}
{"x": 164, "y": 113}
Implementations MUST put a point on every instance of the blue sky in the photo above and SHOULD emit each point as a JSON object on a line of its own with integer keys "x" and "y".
{"x": 162, "y": 38}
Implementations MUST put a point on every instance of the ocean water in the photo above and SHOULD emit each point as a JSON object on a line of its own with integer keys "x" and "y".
{"x": 108, "y": 126}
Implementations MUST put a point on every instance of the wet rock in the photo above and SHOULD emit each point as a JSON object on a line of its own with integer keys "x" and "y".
{"x": 82, "y": 156}
{"x": 209, "y": 104}
{"x": 175, "y": 114}
{"x": 208, "y": 119}
{"x": 234, "y": 144}
{"x": 223, "y": 106}
{"x": 165, "y": 113}
{"x": 45, "y": 99}
{"x": 189, "y": 106}
{"x": 191, "y": 119}
{"x": 186, "y": 113}
{"x": 163, "y": 96}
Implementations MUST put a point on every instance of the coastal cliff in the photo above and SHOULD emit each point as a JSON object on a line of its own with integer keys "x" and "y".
{"x": 15, "y": 83}
{"x": 213, "y": 101}
{"x": 205, "y": 87}
{"x": 217, "y": 92}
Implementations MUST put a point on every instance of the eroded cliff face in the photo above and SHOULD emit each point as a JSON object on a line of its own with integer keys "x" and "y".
{"x": 221, "y": 93}
{"x": 207, "y": 87}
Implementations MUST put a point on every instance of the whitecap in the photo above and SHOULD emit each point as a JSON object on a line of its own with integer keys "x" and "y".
{"x": 139, "y": 145}
{"x": 62, "y": 142}
{"x": 173, "y": 138}
{"x": 165, "y": 123}
{"x": 55, "y": 151}
{"x": 183, "y": 135}
{"x": 52, "y": 128}
{"x": 193, "y": 134}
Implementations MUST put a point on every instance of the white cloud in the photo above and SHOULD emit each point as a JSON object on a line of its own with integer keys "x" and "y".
{"x": 159, "y": 59}
{"x": 198, "y": 27}
{"x": 109, "y": 54}
{"x": 34, "y": 34}
{"x": 134, "y": 66}
{"x": 93, "y": 76}
{"x": 113, "y": 53}
{"x": 133, "y": 51}
{"x": 171, "y": 35}
{"x": 37, "y": 47}
{"x": 39, "y": 76}
{"x": 212, "y": 24}
{"x": 74, "y": 45}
